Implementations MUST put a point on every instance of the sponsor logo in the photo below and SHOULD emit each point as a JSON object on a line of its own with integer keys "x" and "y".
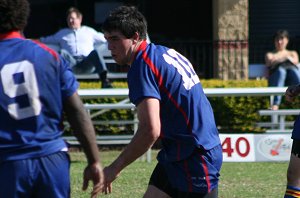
{"x": 275, "y": 147}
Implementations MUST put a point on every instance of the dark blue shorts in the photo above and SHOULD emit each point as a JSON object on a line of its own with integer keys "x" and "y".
{"x": 46, "y": 176}
{"x": 198, "y": 174}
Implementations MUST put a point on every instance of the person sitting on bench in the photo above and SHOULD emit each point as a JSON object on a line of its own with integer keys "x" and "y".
{"x": 283, "y": 65}
{"x": 77, "y": 46}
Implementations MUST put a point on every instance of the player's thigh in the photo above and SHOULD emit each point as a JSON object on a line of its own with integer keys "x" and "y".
{"x": 15, "y": 179}
{"x": 54, "y": 178}
{"x": 153, "y": 191}
{"x": 293, "y": 174}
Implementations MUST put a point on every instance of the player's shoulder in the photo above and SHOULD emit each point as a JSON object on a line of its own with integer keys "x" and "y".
{"x": 158, "y": 49}
{"x": 43, "y": 47}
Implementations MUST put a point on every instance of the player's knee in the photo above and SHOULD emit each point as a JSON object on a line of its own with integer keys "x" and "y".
{"x": 293, "y": 172}
{"x": 291, "y": 176}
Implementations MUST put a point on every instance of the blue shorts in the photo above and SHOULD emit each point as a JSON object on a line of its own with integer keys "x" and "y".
{"x": 296, "y": 129}
{"x": 46, "y": 176}
{"x": 199, "y": 173}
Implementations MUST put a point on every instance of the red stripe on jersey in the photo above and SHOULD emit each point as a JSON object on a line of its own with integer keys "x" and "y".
{"x": 159, "y": 78}
{"x": 11, "y": 35}
{"x": 16, "y": 34}
{"x": 205, "y": 172}
{"x": 164, "y": 89}
{"x": 45, "y": 47}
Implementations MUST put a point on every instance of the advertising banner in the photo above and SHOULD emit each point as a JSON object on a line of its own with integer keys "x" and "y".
{"x": 256, "y": 147}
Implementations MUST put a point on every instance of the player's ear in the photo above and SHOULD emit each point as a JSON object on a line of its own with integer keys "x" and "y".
{"x": 136, "y": 37}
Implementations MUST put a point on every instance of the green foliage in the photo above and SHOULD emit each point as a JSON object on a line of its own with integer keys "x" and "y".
{"x": 110, "y": 115}
{"x": 232, "y": 114}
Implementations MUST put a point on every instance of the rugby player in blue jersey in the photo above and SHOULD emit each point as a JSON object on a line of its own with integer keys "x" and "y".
{"x": 293, "y": 172}
{"x": 171, "y": 106}
{"x": 36, "y": 87}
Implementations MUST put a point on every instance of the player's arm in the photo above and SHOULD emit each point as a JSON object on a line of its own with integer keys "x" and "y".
{"x": 146, "y": 135}
{"x": 84, "y": 131}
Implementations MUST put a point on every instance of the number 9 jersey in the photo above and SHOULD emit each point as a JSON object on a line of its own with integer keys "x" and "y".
{"x": 34, "y": 81}
{"x": 187, "y": 119}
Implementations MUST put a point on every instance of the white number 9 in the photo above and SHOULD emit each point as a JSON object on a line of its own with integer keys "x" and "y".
{"x": 28, "y": 87}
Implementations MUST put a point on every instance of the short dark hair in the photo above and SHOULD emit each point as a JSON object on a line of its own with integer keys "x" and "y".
{"x": 281, "y": 34}
{"x": 126, "y": 19}
{"x": 13, "y": 15}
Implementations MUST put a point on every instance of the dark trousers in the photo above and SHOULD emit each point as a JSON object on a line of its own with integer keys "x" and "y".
{"x": 93, "y": 63}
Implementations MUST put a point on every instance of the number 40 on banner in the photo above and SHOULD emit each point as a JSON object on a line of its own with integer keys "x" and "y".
{"x": 238, "y": 147}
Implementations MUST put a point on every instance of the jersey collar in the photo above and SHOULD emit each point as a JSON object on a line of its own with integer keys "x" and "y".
{"x": 142, "y": 46}
{"x": 11, "y": 35}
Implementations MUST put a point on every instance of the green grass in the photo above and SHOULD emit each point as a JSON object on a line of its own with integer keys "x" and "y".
{"x": 240, "y": 180}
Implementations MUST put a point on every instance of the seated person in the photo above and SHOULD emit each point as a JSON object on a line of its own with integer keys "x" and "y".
{"x": 77, "y": 46}
{"x": 283, "y": 65}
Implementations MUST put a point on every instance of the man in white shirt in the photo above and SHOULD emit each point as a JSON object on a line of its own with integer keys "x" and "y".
{"x": 77, "y": 44}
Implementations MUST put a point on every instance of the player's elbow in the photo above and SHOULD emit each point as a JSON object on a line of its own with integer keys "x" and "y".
{"x": 152, "y": 131}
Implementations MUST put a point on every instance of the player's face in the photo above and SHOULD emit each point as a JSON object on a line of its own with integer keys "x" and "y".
{"x": 74, "y": 21}
{"x": 121, "y": 47}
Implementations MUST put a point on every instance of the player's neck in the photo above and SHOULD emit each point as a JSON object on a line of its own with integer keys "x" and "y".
{"x": 134, "y": 52}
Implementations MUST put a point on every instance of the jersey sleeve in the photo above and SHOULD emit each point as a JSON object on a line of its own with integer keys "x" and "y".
{"x": 142, "y": 82}
{"x": 69, "y": 84}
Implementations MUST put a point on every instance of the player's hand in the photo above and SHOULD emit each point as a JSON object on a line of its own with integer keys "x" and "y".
{"x": 292, "y": 92}
{"x": 110, "y": 174}
{"x": 93, "y": 172}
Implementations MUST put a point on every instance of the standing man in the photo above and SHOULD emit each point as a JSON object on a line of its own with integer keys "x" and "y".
{"x": 77, "y": 44}
{"x": 172, "y": 106}
{"x": 293, "y": 172}
{"x": 36, "y": 85}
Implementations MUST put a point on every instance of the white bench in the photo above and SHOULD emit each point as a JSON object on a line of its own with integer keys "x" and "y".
{"x": 278, "y": 122}
{"x": 110, "y": 75}
{"x": 98, "y": 109}
{"x": 257, "y": 71}
{"x": 102, "y": 140}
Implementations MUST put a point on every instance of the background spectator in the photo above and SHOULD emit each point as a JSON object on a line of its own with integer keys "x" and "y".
{"x": 77, "y": 45}
{"x": 283, "y": 65}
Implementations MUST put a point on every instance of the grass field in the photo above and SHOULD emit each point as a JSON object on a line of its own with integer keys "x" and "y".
{"x": 238, "y": 180}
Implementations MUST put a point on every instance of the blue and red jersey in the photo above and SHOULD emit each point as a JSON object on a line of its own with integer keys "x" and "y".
{"x": 34, "y": 81}
{"x": 187, "y": 119}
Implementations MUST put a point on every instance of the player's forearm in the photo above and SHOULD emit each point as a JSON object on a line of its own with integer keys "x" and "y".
{"x": 87, "y": 138}
{"x": 82, "y": 126}
{"x": 140, "y": 143}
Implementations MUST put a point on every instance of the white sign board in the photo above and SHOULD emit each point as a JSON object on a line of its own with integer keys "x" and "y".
{"x": 256, "y": 147}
